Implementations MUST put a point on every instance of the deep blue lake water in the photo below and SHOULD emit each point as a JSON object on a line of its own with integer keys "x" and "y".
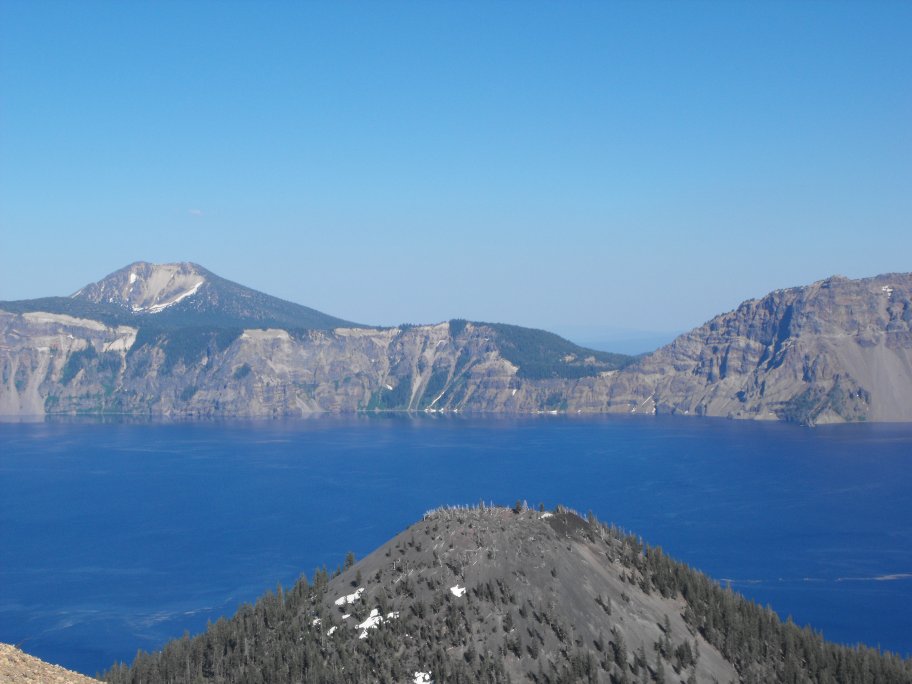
{"x": 119, "y": 535}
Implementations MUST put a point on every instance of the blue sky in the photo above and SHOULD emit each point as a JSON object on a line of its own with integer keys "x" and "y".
{"x": 582, "y": 167}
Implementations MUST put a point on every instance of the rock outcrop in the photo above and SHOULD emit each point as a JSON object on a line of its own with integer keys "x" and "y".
{"x": 17, "y": 667}
{"x": 838, "y": 350}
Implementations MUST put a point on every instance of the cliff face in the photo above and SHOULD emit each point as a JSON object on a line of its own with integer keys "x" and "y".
{"x": 57, "y": 363}
{"x": 41, "y": 351}
{"x": 837, "y": 350}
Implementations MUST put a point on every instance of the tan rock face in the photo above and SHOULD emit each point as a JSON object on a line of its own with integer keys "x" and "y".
{"x": 17, "y": 667}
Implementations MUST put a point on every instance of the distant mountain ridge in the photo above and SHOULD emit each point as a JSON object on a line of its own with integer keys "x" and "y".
{"x": 169, "y": 296}
{"x": 176, "y": 339}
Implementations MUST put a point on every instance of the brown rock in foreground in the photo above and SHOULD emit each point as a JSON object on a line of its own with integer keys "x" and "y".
{"x": 21, "y": 668}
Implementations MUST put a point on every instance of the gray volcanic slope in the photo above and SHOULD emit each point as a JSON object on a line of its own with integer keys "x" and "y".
{"x": 508, "y": 595}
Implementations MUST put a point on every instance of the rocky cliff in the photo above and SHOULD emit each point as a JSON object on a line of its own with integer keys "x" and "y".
{"x": 54, "y": 363}
{"x": 837, "y": 350}
{"x": 177, "y": 340}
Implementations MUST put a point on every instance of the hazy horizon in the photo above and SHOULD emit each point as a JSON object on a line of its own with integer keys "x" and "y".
{"x": 575, "y": 167}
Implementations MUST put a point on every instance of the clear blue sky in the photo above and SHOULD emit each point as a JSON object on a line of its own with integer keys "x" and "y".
{"x": 573, "y": 166}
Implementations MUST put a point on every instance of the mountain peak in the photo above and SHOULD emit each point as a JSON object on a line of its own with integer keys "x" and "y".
{"x": 143, "y": 287}
{"x": 174, "y": 295}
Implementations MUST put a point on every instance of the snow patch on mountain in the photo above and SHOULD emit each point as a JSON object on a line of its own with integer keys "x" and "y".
{"x": 155, "y": 308}
{"x": 146, "y": 288}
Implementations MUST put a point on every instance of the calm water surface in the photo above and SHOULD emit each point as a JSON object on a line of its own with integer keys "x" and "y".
{"x": 117, "y": 536}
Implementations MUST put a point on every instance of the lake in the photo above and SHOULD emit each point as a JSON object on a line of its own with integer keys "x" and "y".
{"x": 120, "y": 534}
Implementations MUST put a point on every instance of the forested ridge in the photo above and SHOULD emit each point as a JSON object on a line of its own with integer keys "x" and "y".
{"x": 532, "y": 608}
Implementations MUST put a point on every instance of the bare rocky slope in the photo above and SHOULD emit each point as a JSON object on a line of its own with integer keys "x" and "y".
{"x": 837, "y": 350}
{"x": 175, "y": 339}
{"x": 492, "y": 594}
{"x": 17, "y": 667}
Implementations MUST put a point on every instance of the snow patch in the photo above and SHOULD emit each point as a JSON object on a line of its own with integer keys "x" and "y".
{"x": 133, "y": 278}
{"x": 547, "y": 515}
{"x": 330, "y": 631}
{"x": 372, "y": 622}
{"x": 457, "y": 591}
{"x": 422, "y": 678}
{"x": 316, "y": 622}
{"x": 157, "y": 308}
{"x": 350, "y": 598}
